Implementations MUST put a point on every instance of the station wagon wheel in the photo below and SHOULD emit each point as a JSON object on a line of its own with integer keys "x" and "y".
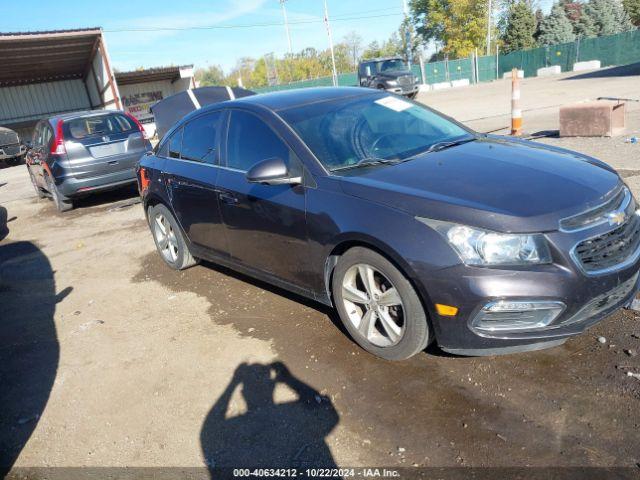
{"x": 168, "y": 238}
{"x": 39, "y": 192}
{"x": 378, "y": 305}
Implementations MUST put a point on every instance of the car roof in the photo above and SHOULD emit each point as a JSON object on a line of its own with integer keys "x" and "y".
{"x": 286, "y": 99}
{"x": 80, "y": 114}
{"x": 381, "y": 59}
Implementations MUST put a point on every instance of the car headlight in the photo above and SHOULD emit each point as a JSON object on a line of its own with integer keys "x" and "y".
{"x": 392, "y": 83}
{"x": 476, "y": 246}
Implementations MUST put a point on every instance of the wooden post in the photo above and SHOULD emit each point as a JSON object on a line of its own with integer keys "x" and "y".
{"x": 516, "y": 112}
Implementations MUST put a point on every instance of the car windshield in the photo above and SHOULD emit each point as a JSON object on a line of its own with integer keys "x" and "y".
{"x": 394, "y": 64}
{"x": 367, "y": 129}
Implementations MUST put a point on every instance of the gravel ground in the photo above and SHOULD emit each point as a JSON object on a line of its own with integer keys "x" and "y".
{"x": 108, "y": 358}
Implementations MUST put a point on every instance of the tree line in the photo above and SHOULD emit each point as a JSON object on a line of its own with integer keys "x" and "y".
{"x": 456, "y": 27}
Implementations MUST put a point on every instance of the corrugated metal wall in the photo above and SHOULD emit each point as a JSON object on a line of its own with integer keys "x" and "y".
{"x": 32, "y": 102}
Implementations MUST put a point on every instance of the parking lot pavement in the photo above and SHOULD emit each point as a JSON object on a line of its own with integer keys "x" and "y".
{"x": 109, "y": 358}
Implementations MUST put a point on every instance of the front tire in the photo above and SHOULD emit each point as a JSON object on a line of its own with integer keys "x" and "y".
{"x": 168, "y": 238}
{"x": 378, "y": 305}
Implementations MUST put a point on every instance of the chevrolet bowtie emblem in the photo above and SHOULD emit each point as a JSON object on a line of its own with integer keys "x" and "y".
{"x": 616, "y": 218}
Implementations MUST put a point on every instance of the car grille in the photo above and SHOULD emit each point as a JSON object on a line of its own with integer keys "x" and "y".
{"x": 11, "y": 149}
{"x": 610, "y": 249}
{"x": 405, "y": 80}
{"x": 604, "y": 301}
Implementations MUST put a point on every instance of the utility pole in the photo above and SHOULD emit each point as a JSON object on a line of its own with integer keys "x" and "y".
{"x": 489, "y": 29}
{"x": 333, "y": 57}
{"x": 407, "y": 31}
{"x": 286, "y": 25}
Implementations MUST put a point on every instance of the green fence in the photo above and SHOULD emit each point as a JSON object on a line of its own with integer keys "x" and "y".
{"x": 620, "y": 49}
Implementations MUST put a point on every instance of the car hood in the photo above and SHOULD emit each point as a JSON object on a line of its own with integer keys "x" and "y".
{"x": 394, "y": 73}
{"x": 499, "y": 184}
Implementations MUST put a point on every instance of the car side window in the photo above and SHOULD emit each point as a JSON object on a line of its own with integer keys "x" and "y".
{"x": 250, "y": 141}
{"x": 199, "y": 140}
{"x": 47, "y": 135}
{"x": 175, "y": 144}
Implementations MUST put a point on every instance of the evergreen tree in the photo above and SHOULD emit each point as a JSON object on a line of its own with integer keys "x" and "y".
{"x": 520, "y": 28}
{"x": 608, "y": 17}
{"x": 556, "y": 27}
{"x": 539, "y": 19}
{"x": 632, "y": 7}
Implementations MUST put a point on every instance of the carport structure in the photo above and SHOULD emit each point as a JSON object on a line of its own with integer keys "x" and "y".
{"x": 49, "y": 72}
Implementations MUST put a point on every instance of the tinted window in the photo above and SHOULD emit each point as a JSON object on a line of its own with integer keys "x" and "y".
{"x": 250, "y": 141}
{"x": 175, "y": 143}
{"x": 344, "y": 132}
{"x": 199, "y": 138}
{"x": 395, "y": 64}
{"x": 110, "y": 124}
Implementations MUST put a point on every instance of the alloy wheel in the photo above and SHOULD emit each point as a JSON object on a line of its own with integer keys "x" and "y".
{"x": 373, "y": 305}
{"x": 165, "y": 238}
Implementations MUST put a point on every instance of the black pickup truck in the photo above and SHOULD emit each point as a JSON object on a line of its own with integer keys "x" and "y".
{"x": 391, "y": 74}
{"x": 11, "y": 150}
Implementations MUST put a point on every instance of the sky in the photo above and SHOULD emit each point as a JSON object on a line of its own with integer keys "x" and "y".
{"x": 153, "y": 33}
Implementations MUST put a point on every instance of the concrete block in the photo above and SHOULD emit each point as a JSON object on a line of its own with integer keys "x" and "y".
{"x": 549, "y": 71}
{"x": 463, "y": 82}
{"x": 441, "y": 85}
{"x": 590, "y": 65}
{"x": 424, "y": 87}
{"x": 592, "y": 119}
{"x": 508, "y": 74}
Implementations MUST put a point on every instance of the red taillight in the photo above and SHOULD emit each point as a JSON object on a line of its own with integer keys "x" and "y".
{"x": 142, "y": 130}
{"x": 57, "y": 147}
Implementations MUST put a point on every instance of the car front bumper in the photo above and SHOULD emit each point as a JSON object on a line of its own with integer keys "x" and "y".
{"x": 404, "y": 90}
{"x": 12, "y": 151}
{"x": 587, "y": 300}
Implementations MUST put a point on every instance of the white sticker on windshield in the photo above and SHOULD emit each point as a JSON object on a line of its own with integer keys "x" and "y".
{"x": 394, "y": 103}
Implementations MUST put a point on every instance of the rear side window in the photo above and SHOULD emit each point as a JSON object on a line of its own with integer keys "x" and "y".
{"x": 250, "y": 141}
{"x": 175, "y": 144}
{"x": 110, "y": 124}
{"x": 199, "y": 140}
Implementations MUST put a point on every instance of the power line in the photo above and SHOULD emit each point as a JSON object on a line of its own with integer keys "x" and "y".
{"x": 246, "y": 25}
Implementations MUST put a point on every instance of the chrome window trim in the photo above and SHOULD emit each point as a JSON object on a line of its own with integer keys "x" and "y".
{"x": 621, "y": 208}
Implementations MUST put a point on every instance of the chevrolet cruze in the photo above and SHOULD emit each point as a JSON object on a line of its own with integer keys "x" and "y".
{"x": 415, "y": 228}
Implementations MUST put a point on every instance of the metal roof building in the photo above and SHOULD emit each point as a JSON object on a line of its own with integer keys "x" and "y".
{"x": 48, "y": 72}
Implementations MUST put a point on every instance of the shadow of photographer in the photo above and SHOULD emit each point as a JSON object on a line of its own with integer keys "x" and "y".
{"x": 268, "y": 434}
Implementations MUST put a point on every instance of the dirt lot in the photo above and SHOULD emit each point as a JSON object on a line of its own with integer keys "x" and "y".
{"x": 109, "y": 358}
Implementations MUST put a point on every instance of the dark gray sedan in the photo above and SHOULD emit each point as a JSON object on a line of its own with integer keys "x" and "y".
{"x": 413, "y": 227}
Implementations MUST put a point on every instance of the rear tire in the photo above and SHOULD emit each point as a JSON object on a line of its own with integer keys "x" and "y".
{"x": 168, "y": 238}
{"x": 62, "y": 203}
{"x": 384, "y": 315}
{"x": 39, "y": 192}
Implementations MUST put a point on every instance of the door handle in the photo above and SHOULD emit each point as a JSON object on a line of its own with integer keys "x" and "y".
{"x": 228, "y": 198}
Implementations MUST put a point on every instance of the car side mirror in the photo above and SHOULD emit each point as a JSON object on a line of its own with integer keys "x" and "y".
{"x": 272, "y": 171}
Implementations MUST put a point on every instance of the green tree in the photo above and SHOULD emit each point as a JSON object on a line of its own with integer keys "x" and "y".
{"x": 212, "y": 75}
{"x": 353, "y": 41}
{"x": 632, "y": 7}
{"x": 459, "y": 25}
{"x": 608, "y": 16}
{"x": 556, "y": 27}
{"x": 520, "y": 28}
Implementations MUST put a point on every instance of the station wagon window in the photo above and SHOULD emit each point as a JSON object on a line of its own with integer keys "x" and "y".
{"x": 109, "y": 124}
{"x": 250, "y": 141}
{"x": 199, "y": 138}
